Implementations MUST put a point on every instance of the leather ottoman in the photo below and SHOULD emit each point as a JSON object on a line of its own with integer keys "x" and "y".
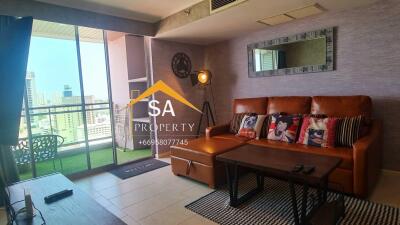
{"x": 196, "y": 160}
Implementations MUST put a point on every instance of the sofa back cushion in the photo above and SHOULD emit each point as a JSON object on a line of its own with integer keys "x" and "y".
{"x": 342, "y": 106}
{"x": 250, "y": 105}
{"x": 289, "y": 104}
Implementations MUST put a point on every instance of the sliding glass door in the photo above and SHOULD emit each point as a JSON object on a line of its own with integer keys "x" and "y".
{"x": 67, "y": 100}
{"x": 94, "y": 74}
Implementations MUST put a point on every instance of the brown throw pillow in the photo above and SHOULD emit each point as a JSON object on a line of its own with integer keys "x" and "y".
{"x": 236, "y": 121}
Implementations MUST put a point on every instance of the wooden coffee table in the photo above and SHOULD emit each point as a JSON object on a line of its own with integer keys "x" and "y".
{"x": 78, "y": 209}
{"x": 278, "y": 163}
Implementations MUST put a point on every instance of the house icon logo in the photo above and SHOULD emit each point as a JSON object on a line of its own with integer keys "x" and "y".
{"x": 163, "y": 87}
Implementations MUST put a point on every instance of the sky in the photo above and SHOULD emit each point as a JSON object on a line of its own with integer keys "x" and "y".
{"x": 55, "y": 64}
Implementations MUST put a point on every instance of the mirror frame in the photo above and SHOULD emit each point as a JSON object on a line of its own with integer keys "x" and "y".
{"x": 327, "y": 33}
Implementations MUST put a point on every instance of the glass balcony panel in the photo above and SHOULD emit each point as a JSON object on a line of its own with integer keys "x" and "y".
{"x": 99, "y": 135}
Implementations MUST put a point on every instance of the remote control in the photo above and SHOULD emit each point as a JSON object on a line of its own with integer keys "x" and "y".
{"x": 297, "y": 168}
{"x": 308, "y": 169}
{"x": 57, "y": 196}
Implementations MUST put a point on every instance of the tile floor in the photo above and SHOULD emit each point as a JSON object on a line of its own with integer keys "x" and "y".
{"x": 158, "y": 197}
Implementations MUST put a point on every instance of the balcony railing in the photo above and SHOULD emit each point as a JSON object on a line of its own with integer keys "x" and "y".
{"x": 52, "y": 113}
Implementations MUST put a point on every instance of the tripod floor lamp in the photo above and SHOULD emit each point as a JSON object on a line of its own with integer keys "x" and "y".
{"x": 203, "y": 80}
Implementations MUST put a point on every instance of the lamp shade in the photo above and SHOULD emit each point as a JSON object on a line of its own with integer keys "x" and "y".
{"x": 204, "y": 77}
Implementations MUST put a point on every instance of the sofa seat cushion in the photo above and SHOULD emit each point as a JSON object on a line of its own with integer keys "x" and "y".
{"x": 346, "y": 154}
{"x": 204, "y": 150}
{"x": 233, "y": 137}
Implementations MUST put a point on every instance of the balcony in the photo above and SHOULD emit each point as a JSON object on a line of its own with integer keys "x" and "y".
{"x": 76, "y": 162}
{"x": 84, "y": 146}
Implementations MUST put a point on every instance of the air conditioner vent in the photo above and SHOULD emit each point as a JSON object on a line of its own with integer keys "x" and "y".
{"x": 218, "y": 5}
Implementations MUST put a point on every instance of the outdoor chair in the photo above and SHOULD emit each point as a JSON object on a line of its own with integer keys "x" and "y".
{"x": 44, "y": 148}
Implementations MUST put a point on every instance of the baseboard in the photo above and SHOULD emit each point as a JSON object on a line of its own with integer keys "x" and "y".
{"x": 390, "y": 172}
{"x": 163, "y": 155}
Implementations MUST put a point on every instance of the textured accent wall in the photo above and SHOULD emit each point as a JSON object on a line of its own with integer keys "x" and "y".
{"x": 367, "y": 63}
{"x": 162, "y": 53}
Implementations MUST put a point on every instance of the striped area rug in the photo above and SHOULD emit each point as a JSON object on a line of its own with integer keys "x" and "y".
{"x": 273, "y": 207}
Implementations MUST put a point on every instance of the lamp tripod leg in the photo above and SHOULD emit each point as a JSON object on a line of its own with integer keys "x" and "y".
{"x": 211, "y": 114}
{"x": 201, "y": 119}
{"x": 206, "y": 109}
{"x": 207, "y": 116}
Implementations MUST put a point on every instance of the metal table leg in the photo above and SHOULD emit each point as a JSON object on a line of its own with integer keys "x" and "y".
{"x": 233, "y": 185}
{"x": 323, "y": 192}
{"x": 304, "y": 204}
{"x": 294, "y": 203}
{"x": 299, "y": 219}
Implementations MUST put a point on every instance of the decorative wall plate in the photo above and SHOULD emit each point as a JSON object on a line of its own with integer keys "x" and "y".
{"x": 181, "y": 65}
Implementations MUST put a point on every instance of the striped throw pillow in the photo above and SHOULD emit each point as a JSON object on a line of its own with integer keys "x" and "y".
{"x": 236, "y": 121}
{"x": 348, "y": 130}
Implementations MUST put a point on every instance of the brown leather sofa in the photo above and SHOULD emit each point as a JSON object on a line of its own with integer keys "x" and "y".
{"x": 360, "y": 165}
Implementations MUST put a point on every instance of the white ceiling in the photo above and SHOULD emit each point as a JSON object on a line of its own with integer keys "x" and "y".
{"x": 243, "y": 18}
{"x": 217, "y": 27}
{"x": 145, "y": 10}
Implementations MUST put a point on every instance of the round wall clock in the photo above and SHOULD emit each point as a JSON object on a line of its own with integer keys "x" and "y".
{"x": 181, "y": 65}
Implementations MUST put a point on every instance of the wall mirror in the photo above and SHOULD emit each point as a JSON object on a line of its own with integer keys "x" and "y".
{"x": 301, "y": 53}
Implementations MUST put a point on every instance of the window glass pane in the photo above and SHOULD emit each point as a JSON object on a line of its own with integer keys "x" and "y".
{"x": 94, "y": 75}
{"x": 99, "y": 133}
{"x": 93, "y": 65}
{"x": 53, "y": 75}
{"x": 54, "y": 97}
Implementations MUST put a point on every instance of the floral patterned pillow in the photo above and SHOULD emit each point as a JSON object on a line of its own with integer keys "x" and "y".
{"x": 284, "y": 128}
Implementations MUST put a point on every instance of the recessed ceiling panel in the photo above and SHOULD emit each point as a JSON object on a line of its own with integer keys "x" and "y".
{"x": 306, "y": 11}
{"x": 276, "y": 20}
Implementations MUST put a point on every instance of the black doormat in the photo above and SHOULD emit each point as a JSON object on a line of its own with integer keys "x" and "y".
{"x": 273, "y": 207}
{"x": 137, "y": 168}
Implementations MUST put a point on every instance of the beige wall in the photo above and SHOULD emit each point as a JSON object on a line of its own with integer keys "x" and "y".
{"x": 135, "y": 57}
{"x": 162, "y": 53}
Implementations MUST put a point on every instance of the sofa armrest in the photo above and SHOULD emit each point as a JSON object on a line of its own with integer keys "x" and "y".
{"x": 367, "y": 156}
{"x": 215, "y": 130}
